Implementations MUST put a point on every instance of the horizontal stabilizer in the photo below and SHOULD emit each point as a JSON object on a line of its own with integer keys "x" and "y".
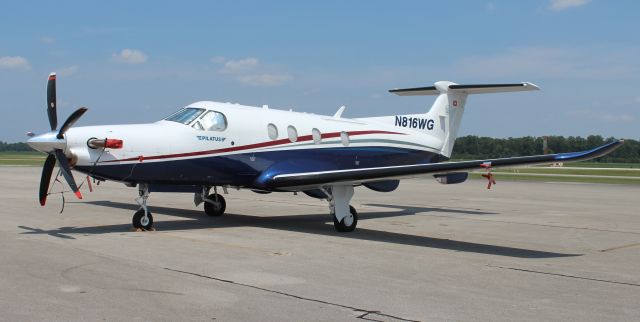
{"x": 416, "y": 91}
{"x": 467, "y": 89}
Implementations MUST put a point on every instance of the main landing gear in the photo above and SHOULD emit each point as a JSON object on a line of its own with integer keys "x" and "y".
{"x": 345, "y": 216}
{"x": 214, "y": 204}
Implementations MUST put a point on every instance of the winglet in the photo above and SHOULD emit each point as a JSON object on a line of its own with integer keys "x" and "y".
{"x": 339, "y": 112}
{"x": 589, "y": 154}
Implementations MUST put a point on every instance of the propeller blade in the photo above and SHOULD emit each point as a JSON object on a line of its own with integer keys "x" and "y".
{"x": 47, "y": 170}
{"x": 66, "y": 172}
{"x": 70, "y": 121}
{"x": 51, "y": 101}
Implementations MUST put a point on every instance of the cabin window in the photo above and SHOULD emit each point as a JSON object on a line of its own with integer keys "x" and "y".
{"x": 211, "y": 121}
{"x": 317, "y": 136}
{"x": 273, "y": 131}
{"x": 185, "y": 115}
{"x": 293, "y": 133}
{"x": 344, "y": 137}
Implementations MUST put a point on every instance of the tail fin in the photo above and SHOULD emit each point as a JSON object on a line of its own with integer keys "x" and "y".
{"x": 448, "y": 108}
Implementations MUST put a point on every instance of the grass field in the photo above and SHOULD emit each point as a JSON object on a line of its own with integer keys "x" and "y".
{"x": 605, "y": 165}
{"x": 559, "y": 178}
{"x": 617, "y": 173}
{"x": 22, "y": 158}
{"x": 571, "y": 170}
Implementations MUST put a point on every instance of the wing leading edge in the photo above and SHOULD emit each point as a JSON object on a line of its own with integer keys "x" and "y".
{"x": 306, "y": 179}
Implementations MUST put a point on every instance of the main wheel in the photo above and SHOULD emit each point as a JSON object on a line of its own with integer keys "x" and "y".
{"x": 139, "y": 221}
{"x": 348, "y": 223}
{"x": 216, "y": 208}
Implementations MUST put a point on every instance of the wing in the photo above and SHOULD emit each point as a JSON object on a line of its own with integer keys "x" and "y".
{"x": 315, "y": 179}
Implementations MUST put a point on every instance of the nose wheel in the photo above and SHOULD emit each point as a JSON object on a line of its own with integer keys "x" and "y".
{"x": 141, "y": 221}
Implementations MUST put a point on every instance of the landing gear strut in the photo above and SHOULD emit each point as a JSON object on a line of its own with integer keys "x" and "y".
{"x": 143, "y": 219}
{"x": 345, "y": 216}
{"x": 214, "y": 204}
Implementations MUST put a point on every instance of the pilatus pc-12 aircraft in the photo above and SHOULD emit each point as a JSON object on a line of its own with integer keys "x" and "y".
{"x": 207, "y": 145}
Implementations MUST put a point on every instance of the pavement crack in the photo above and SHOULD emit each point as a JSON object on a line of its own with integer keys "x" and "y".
{"x": 566, "y": 276}
{"x": 364, "y": 314}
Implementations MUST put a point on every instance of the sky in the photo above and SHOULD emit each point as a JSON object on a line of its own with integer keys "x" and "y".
{"x": 138, "y": 61}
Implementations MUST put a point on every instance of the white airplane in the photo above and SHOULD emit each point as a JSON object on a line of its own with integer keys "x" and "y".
{"x": 208, "y": 145}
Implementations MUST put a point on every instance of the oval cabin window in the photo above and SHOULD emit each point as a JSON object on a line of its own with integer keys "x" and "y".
{"x": 344, "y": 137}
{"x": 293, "y": 133}
{"x": 273, "y": 131}
{"x": 317, "y": 136}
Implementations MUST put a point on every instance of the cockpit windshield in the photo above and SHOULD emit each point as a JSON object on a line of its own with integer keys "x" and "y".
{"x": 185, "y": 115}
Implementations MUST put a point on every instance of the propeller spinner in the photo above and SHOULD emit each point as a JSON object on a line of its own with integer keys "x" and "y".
{"x": 54, "y": 144}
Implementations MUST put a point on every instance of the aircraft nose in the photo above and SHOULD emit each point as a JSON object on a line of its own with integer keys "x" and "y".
{"x": 46, "y": 142}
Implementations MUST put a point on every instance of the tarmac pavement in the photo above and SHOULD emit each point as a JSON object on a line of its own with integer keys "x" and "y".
{"x": 525, "y": 251}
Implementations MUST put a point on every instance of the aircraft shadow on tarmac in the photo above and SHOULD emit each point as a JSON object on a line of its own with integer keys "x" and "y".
{"x": 313, "y": 224}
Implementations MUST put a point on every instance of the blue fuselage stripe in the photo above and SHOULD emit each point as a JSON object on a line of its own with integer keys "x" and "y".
{"x": 243, "y": 169}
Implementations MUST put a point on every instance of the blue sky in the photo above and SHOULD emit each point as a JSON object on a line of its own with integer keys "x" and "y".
{"x": 137, "y": 61}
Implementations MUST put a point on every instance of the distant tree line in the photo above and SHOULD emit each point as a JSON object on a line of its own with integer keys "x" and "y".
{"x": 14, "y": 147}
{"x": 474, "y": 147}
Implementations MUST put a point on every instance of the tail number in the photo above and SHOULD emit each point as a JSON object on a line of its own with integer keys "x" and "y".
{"x": 415, "y": 122}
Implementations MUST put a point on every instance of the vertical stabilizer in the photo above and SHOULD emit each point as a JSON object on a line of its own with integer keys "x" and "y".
{"x": 450, "y": 102}
{"x": 447, "y": 110}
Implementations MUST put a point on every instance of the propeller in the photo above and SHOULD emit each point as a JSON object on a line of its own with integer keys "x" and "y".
{"x": 54, "y": 144}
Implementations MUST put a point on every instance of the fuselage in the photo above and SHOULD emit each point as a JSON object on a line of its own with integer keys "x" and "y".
{"x": 252, "y": 142}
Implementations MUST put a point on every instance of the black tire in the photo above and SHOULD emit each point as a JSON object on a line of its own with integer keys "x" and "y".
{"x": 213, "y": 210}
{"x": 138, "y": 220}
{"x": 341, "y": 226}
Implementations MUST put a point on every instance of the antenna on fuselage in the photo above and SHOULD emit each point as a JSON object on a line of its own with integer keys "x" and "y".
{"x": 339, "y": 112}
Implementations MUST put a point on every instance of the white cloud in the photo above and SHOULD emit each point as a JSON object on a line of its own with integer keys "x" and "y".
{"x": 47, "y": 40}
{"x": 559, "y": 5}
{"x": 67, "y": 71}
{"x": 130, "y": 56}
{"x": 250, "y": 71}
{"x": 240, "y": 65}
{"x": 264, "y": 79}
{"x": 14, "y": 62}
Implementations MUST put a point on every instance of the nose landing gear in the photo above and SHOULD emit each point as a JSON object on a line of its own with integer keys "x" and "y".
{"x": 143, "y": 219}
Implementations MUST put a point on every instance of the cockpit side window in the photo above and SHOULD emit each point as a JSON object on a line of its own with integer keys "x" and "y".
{"x": 186, "y": 115}
{"x": 211, "y": 121}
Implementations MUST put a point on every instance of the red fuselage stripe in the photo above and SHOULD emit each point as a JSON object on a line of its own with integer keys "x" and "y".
{"x": 251, "y": 146}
